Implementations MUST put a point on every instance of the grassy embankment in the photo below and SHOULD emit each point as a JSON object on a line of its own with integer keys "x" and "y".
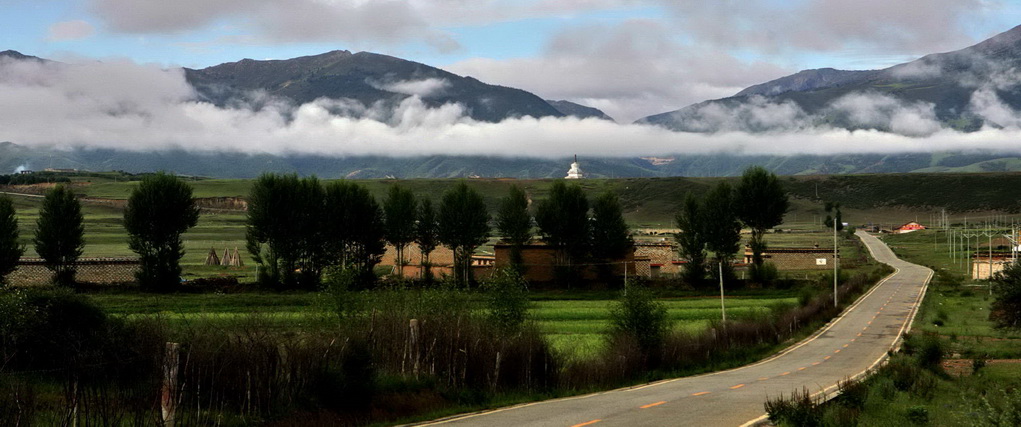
{"x": 953, "y": 322}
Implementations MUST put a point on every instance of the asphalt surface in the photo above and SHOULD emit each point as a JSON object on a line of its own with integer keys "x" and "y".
{"x": 846, "y": 347}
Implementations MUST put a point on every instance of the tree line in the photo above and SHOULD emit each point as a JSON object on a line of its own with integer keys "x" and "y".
{"x": 159, "y": 211}
{"x": 298, "y": 227}
{"x": 712, "y": 224}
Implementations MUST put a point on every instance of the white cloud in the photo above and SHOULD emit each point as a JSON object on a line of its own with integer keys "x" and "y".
{"x": 422, "y": 88}
{"x": 278, "y": 21}
{"x": 629, "y": 71}
{"x": 884, "y": 112}
{"x": 70, "y": 30}
{"x": 121, "y": 105}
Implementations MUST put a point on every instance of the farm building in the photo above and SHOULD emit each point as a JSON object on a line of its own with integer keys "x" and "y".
{"x": 539, "y": 260}
{"x": 909, "y": 227}
{"x": 983, "y": 266}
{"x": 662, "y": 258}
{"x": 441, "y": 262}
{"x": 814, "y": 258}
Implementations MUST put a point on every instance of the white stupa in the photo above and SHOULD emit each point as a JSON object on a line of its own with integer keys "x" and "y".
{"x": 575, "y": 172}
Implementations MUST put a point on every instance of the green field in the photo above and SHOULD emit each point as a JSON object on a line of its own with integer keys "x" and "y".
{"x": 575, "y": 326}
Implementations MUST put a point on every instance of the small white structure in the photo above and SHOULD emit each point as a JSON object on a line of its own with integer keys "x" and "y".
{"x": 575, "y": 172}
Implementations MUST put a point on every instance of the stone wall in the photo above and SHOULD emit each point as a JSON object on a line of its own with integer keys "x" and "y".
{"x": 797, "y": 258}
{"x": 33, "y": 272}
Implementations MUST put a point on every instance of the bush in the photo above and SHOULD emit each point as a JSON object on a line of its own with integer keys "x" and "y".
{"x": 638, "y": 317}
{"x": 507, "y": 299}
{"x": 918, "y": 415}
{"x": 339, "y": 283}
{"x": 799, "y": 410}
{"x": 977, "y": 364}
{"x": 927, "y": 350}
{"x": 853, "y": 394}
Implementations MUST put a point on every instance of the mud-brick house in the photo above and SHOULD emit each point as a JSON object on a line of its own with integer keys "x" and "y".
{"x": 441, "y": 261}
{"x": 814, "y": 258}
{"x": 540, "y": 262}
{"x": 662, "y": 258}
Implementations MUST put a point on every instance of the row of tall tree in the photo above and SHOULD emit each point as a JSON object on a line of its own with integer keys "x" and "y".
{"x": 59, "y": 235}
{"x": 564, "y": 222}
{"x": 712, "y": 224}
{"x": 159, "y": 210}
{"x": 297, "y": 227}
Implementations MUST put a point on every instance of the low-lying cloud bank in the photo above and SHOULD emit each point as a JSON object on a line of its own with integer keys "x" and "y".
{"x": 122, "y": 105}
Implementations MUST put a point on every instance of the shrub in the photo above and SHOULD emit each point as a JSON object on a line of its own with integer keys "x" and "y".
{"x": 798, "y": 410}
{"x": 639, "y": 317}
{"x": 1006, "y": 309}
{"x": 918, "y": 415}
{"x": 977, "y": 364}
{"x": 507, "y": 299}
{"x": 927, "y": 350}
{"x": 339, "y": 283}
{"x": 853, "y": 394}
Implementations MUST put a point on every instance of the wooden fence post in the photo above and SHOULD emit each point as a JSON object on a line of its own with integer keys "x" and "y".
{"x": 168, "y": 401}
{"x": 413, "y": 345}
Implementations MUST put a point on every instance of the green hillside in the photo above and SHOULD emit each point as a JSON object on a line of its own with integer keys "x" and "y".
{"x": 653, "y": 201}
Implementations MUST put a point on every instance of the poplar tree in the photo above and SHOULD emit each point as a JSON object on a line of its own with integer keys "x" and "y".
{"x": 515, "y": 224}
{"x": 159, "y": 211}
{"x": 691, "y": 241}
{"x": 426, "y": 237}
{"x": 563, "y": 224}
{"x": 283, "y": 230}
{"x": 10, "y": 249}
{"x": 762, "y": 203}
{"x": 60, "y": 234}
{"x": 611, "y": 236}
{"x": 400, "y": 209}
{"x": 354, "y": 230}
{"x": 721, "y": 228}
{"x": 463, "y": 226}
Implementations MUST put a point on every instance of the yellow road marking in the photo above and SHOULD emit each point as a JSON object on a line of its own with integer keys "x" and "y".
{"x": 737, "y": 387}
{"x": 845, "y": 345}
{"x": 763, "y": 378}
{"x": 652, "y": 404}
{"x": 836, "y": 351}
{"x": 801, "y": 368}
{"x": 700, "y": 393}
{"x": 586, "y": 423}
{"x": 815, "y": 363}
{"x": 852, "y": 339}
{"x": 827, "y": 357}
{"x": 785, "y": 373}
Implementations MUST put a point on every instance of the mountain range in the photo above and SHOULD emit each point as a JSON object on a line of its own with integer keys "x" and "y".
{"x": 943, "y": 85}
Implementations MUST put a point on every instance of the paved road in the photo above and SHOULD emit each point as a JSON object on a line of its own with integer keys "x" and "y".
{"x": 854, "y": 342}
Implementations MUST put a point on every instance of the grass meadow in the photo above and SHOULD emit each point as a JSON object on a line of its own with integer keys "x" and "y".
{"x": 574, "y": 326}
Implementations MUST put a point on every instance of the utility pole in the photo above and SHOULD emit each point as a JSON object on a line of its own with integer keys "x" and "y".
{"x": 835, "y": 261}
{"x": 723, "y": 306}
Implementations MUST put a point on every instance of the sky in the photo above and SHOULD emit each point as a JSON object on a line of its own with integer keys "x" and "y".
{"x": 630, "y": 58}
